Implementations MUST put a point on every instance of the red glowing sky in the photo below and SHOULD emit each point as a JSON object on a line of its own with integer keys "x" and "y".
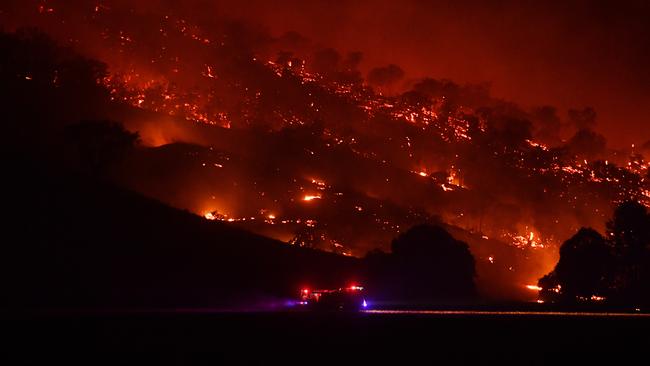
{"x": 586, "y": 53}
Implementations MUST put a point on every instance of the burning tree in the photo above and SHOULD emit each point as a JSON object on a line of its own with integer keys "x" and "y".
{"x": 307, "y": 237}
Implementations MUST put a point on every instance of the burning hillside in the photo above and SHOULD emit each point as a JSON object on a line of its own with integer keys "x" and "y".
{"x": 288, "y": 139}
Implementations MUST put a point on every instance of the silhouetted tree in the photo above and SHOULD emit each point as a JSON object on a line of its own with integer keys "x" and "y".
{"x": 93, "y": 146}
{"x": 548, "y": 123}
{"x": 550, "y": 288}
{"x": 44, "y": 85}
{"x": 587, "y": 144}
{"x": 416, "y": 98}
{"x": 434, "y": 88}
{"x": 583, "y": 118}
{"x": 350, "y": 68}
{"x": 385, "y": 76}
{"x": 617, "y": 266}
{"x": 629, "y": 233}
{"x": 326, "y": 62}
{"x": 426, "y": 264}
{"x": 629, "y": 229}
{"x": 503, "y": 130}
{"x": 585, "y": 263}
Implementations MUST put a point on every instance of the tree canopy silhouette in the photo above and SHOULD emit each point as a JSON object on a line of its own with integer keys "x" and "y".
{"x": 93, "y": 146}
{"x": 616, "y": 267}
{"x": 426, "y": 264}
{"x": 629, "y": 233}
{"x": 385, "y": 76}
{"x": 585, "y": 262}
{"x": 629, "y": 229}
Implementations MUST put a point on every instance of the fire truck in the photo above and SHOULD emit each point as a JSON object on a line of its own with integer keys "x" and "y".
{"x": 349, "y": 298}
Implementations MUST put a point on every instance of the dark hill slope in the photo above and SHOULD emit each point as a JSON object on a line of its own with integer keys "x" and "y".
{"x": 78, "y": 243}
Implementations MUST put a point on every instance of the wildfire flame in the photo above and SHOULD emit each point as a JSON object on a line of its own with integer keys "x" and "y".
{"x": 310, "y": 197}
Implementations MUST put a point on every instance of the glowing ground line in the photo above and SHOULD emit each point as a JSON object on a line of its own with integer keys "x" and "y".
{"x": 516, "y": 313}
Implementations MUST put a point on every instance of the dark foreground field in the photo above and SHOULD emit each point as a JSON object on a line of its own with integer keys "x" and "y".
{"x": 200, "y": 337}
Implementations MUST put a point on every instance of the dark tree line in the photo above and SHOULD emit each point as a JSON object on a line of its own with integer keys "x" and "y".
{"x": 614, "y": 268}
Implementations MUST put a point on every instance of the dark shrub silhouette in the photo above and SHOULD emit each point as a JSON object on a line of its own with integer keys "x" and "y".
{"x": 629, "y": 229}
{"x": 629, "y": 233}
{"x": 385, "y": 76}
{"x": 96, "y": 245}
{"x": 583, "y": 270}
{"x": 616, "y": 267}
{"x": 587, "y": 144}
{"x": 93, "y": 146}
{"x": 427, "y": 264}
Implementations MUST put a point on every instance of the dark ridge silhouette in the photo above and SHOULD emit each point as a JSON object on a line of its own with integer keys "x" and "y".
{"x": 84, "y": 243}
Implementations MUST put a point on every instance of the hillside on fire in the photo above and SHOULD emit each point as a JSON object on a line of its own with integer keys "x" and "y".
{"x": 373, "y": 182}
{"x": 174, "y": 158}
